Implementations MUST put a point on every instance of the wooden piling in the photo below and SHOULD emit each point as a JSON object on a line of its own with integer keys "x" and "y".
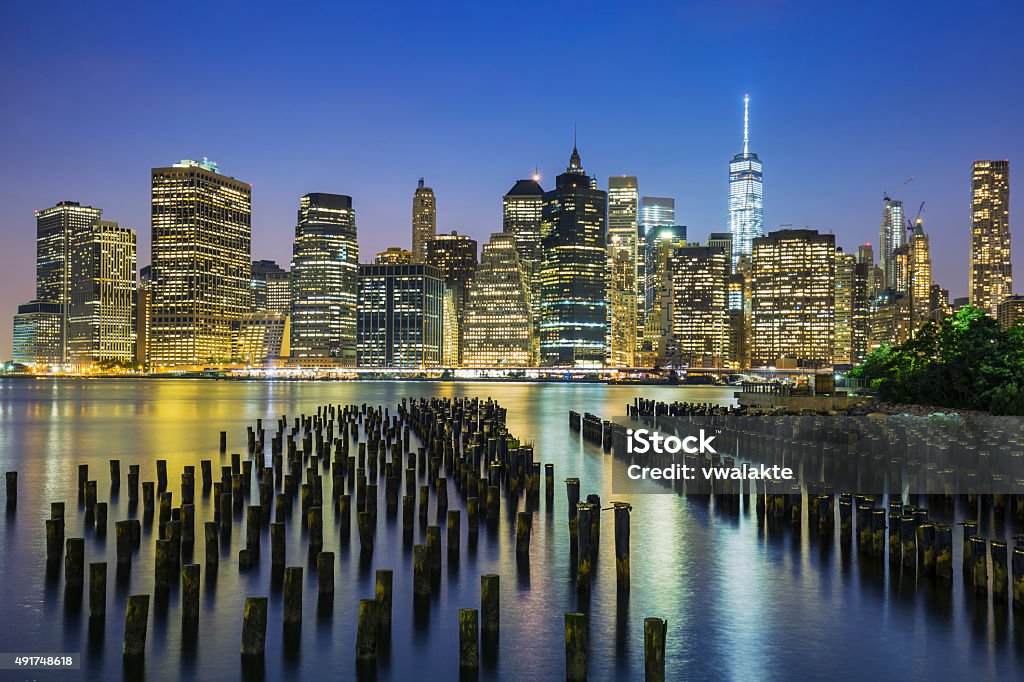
{"x": 254, "y": 627}
{"x": 979, "y": 564}
{"x": 943, "y": 552}
{"x": 654, "y": 649}
{"x": 277, "y": 544}
{"x": 490, "y": 603}
{"x": 1018, "y": 577}
{"x": 74, "y": 563}
{"x": 162, "y": 563}
{"x": 315, "y": 526}
{"x": 293, "y": 595}
{"x": 469, "y": 639}
{"x": 325, "y": 573}
{"x": 367, "y": 627}
{"x": 622, "y": 510}
{"x": 54, "y": 539}
{"x": 136, "y": 620}
{"x": 575, "y": 647}
{"x": 147, "y": 497}
{"x": 999, "y": 573}
{"x": 420, "y": 571}
{"x": 100, "y": 520}
{"x": 123, "y": 541}
{"x": 98, "y": 590}
{"x": 454, "y": 532}
{"x": 115, "y": 473}
{"x": 524, "y": 526}
{"x": 383, "y": 593}
{"x": 366, "y": 530}
{"x": 188, "y": 523}
{"x": 190, "y": 594}
{"x": 12, "y": 488}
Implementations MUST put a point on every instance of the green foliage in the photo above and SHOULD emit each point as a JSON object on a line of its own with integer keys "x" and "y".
{"x": 965, "y": 361}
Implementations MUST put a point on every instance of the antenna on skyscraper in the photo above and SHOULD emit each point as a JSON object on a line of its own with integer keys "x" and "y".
{"x": 746, "y": 123}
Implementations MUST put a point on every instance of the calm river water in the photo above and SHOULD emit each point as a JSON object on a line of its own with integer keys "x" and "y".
{"x": 741, "y": 602}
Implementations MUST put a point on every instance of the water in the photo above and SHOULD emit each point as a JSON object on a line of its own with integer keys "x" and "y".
{"x": 740, "y": 601}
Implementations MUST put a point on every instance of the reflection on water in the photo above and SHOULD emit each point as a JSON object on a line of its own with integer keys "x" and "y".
{"x": 741, "y": 599}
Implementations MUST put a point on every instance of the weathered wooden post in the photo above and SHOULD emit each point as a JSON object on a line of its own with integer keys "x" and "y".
{"x": 277, "y": 544}
{"x": 575, "y": 647}
{"x": 90, "y": 497}
{"x": 325, "y": 574}
{"x": 943, "y": 552}
{"x": 979, "y": 564}
{"x": 315, "y": 524}
{"x": 133, "y": 483}
{"x": 524, "y": 525}
{"x": 469, "y": 639}
{"x": 188, "y": 523}
{"x": 254, "y": 627}
{"x": 1018, "y": 577}
{"x": 549, "y": 484}
{"x": 999, "y": 572}
{"x": 622, "y": 510}
{"x": 206, "y": 467}
{"x": 115, "y": 473}
{"x": 123, "y": 541}
{"x": 101, "y": 519}
{"x": 365, "y": 522}
{"x": 74, "y": 563}
{"x": 190, "y": 594}
{"x": 383, "y": 592}
{"x": 98, "y": 590}
{"x": 420, "y": 571}
{"x": 490, "y": 603}
{"x": 136, "y": 620}
{"x": 54, "y": 539}
{"x": 454, "y": 532}
{"x": 147, "y": 497}
{"x": 162, "y": 562}
{"x": 970, "y": 528}
{"x": 293, "y": 595}
{"x": 161, "y": 474}
{"x": 584, "y": 534}
{"x": 211, "y": 529}
{"x": 434, "y": 550}
{"x": 367, "y": 627}
{"x": 654, "y": 649}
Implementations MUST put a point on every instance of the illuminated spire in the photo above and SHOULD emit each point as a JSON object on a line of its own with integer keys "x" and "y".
{"x": 746, "y": 124}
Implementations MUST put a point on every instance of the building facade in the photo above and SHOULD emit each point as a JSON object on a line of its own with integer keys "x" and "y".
{"x": 143, "y": 314}
{"x": 659, "y": 245}
{"x": 793, "y": 299}
{"x": 400, "y": 319}
{"x": 38, "y": 335}
{"x": 324, "y": 280}
{"x": 263, "y": 338}
{"x": 455, "y": 257}
{"x": 991, "y": 269}
{"x": 919, "y": 277}
{"x": 573, "y": 271}
{"x": 56, "y": 229}
{"x": 746, "y": 195}
{"x": 393, "y": 255}
{"x": 521, "y": 217}
{"x": 498, "y": 329}
{"x": 891, "y": 240}
{"x": 1011, "y": 311}
{"x": 694, "y": 308}
{"x": 202, "y": 263}
{"x": 101, "y": 305}
{"x": 424, "y": 221}
{"x": 623, "y": 269}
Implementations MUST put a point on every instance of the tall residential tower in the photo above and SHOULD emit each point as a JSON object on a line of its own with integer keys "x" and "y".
{"x": 623, "y": 234}
{"x": 424, "y": 221}
{"x": 991, "y": 273}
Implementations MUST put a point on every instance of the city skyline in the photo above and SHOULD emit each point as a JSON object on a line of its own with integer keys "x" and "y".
{"x": 834, "y": 145}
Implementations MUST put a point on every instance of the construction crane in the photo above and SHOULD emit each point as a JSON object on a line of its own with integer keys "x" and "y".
{"x": 888, "y": 193}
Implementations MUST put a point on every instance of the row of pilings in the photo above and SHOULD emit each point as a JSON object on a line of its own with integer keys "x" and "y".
{"x": 278, "y": 487}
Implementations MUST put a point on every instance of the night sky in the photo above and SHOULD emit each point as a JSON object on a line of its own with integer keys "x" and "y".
{"x": 847, "y": 100}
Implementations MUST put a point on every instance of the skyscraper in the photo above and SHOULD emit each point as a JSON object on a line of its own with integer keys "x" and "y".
{"x": 890, "y": 239}
{"x": 793, "y": 299}
{"x": 623, "y": 235}
{"x": 572, "y": 274}
{"x": 919, "y": 276}
{"x": 56, "y": 228}
{"x": 694, "y": 309}
{"x": 656, "y": 212}
{"x": 846, "y": 266}
{"x": 393, "y": 255}
{"x": 101, "y": 303}
{"x": 521, "y": 217}
{"x": 498, "y": 329}
{"x": 400, "y": 320}
{"x": 454, "y": 255}
{"x": 991, "y": 271}
{"x": 202, "y": 262}
{"x": 325, "y": 276}
{"x": 424, "y": 221}
{"x": 746, "y": 195}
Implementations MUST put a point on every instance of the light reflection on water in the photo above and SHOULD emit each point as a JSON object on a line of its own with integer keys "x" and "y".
{"x": 740, "y": 600}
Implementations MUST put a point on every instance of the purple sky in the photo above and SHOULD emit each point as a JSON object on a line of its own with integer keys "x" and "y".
{"x": 846, "y": 102}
